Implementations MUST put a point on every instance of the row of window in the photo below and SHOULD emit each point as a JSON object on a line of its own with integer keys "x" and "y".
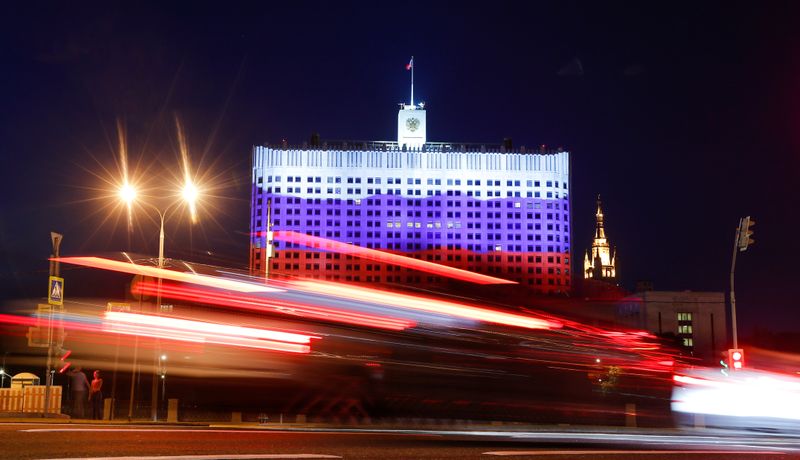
{"x": 276, "y": 223}
{"x": 409, "y": 224}
{"x": 433, "y": 246}
{"x": 407, "y": 202}
{"x": 429, "y": 279}
{"x": 418, "y": 213}
{"x": 685, "y": 329}
{"x": 490, "y": 269}
{"x": 412, "y": 192}
{"x": 413, "y": 181}
{"x": 430, "y": 257}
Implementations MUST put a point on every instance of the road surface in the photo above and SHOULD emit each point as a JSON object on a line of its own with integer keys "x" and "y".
{"x": 70, "y": 441}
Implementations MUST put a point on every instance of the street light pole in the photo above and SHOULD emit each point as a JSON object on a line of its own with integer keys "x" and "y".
{"x": 128, "y": 194}
{"x": 733, "y": 294}
{"x": 742, "y": 241}
{"x": 3, "y": 372}
{"x": 161, "y": 241}
{"x": 154, "y": 386}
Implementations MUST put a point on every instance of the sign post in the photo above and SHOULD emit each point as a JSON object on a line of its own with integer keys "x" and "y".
{"x": 55, "y": 297}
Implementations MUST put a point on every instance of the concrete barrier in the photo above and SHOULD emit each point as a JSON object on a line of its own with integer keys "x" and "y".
{"x": 11, "y": 399}
{"x": 34, "y": 396}
{"x": 236, "y": 417}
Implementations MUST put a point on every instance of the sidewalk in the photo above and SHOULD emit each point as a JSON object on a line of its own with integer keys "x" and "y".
{"x": 27, "y": 417}
{"x": 380, "y": 426}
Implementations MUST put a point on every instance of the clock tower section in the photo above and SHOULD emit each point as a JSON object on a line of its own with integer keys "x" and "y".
{"x": 411, "y": 128}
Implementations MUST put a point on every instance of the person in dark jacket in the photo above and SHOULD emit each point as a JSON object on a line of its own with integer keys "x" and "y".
{"x": 79, "y": 388}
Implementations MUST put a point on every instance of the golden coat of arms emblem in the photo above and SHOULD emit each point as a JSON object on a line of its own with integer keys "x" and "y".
{"x": 412, "y": 124}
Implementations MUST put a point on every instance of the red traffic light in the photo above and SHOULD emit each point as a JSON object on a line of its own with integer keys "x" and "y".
{"x": 735, "y": 359}
{"x": 64, "y": 355}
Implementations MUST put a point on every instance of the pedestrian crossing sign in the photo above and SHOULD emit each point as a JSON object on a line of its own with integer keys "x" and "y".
{"x": 55, "y": 293}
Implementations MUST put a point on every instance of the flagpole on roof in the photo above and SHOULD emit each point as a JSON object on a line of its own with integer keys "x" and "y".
{"x": 412, "y": 81}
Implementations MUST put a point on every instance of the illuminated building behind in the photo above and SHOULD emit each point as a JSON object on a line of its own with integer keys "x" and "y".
{"x": 599, "y": 263}
{"x": 487, "y": 209}
{"x": 697, "y": 320}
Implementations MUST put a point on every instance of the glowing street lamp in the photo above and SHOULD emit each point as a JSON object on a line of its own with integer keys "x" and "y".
{"x": 190, "y": 194}
{"x": 127, "y": 193}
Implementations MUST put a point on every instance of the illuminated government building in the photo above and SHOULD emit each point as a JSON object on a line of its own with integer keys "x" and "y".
{"x": 486, "y": 209}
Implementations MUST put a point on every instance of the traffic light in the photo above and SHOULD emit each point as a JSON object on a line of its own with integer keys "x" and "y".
{"x": 745, "y": 233}
{"x": 64, "y": 363}
{"x": 735, "y": 359}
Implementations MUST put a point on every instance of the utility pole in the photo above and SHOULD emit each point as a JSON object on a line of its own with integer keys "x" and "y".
{"x": 269, "y": 248}
{"x": 740, "y": 244}
{"x": 55, "y": 239}
{"x": 154, "y": 386}
{"x": 3, "y": 372}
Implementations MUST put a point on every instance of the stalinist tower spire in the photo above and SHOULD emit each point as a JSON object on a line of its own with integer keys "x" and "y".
{"x": 599, "y": 232}
{"x": 599, "y": 263}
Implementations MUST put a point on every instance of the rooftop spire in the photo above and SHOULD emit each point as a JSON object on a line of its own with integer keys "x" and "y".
{"x": 599, "y": 229}
{"x": 599, "y": 261}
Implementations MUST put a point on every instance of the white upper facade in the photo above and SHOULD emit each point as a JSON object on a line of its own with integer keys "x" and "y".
{"x": 411, "y": 127}
{"x": 483, "y": 175}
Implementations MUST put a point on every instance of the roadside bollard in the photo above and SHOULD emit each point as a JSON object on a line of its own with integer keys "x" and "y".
{"x": 630, "y": 415}
{"x": 172, "y": 411}
{"x": 107, "y": 404}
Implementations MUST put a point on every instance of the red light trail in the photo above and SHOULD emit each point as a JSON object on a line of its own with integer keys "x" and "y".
{"x": 197, "y": 331}
{"x": 261, "y": 304}
{"x": 155, "y": 272}
{"x": 429, "y": 305}
{"x": 387, "y": 257}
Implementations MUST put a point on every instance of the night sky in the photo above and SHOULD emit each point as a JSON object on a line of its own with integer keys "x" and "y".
{"x": 684, "y": 116}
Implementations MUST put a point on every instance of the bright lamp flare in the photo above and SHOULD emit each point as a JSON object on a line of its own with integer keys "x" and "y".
{"x": 128, "y": 193}
{"x": 190, "y": 194}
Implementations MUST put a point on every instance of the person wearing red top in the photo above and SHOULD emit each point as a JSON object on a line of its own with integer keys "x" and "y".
{"x": 96, "y": 396}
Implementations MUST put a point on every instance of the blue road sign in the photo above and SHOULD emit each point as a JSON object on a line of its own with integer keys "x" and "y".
{"x": 55, "y": 292}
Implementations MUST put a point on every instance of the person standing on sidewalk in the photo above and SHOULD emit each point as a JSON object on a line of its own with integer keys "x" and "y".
{"x": 79, "y": 387}
{"x": 96, "y": 396}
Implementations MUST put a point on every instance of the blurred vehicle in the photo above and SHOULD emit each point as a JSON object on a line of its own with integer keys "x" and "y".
{"x": 745, "y": 399}
{"x": 337, "y": 351}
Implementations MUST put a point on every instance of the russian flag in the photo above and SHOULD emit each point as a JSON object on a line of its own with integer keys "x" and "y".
{"x": 410, "y": 64}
